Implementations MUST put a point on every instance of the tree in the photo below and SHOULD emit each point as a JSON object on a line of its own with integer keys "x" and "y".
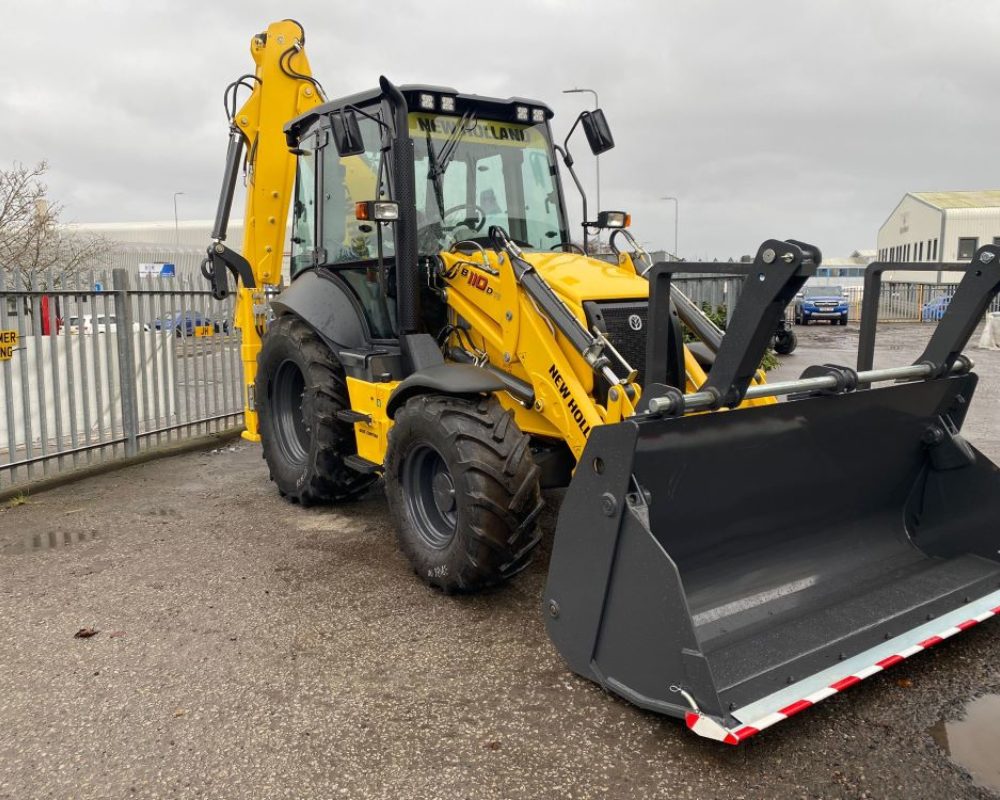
{"x": 33, "y": 246}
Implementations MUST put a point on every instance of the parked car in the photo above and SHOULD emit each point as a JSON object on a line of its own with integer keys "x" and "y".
{"x": 934, "y": 309}
{"x": 821, "y": 302}
{"x": 183, "y": 323}
{"x": 105, "y": 323}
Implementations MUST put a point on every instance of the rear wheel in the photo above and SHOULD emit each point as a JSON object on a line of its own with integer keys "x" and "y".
{"x": 463, "y": 490}
{"x": 300, "y": 387}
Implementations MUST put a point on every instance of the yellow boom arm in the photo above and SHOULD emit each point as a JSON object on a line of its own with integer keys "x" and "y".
{"x": 282, "y": 88}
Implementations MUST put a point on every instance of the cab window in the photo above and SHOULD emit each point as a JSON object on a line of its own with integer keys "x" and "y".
{"x": 304, "y": 208}
{"x": 351, "y": 245}
{"x": 348, "y": 180}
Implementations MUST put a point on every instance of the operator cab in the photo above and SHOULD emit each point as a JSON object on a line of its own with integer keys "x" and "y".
{"x": 477, "y": 162}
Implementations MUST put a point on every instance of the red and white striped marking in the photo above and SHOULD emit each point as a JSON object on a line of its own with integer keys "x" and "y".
{"x": 709, "y": 728}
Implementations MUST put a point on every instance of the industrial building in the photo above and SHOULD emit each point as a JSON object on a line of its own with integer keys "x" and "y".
{"x": 939, "y": 227}
{"x": 135, "y": 246}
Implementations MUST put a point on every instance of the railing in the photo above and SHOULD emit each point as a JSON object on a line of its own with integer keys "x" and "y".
{"x": 711, "y": 291}
{"x": 64, "y": 405}
{"x": 63, "y": 401}
{"x": 900, "y": 302}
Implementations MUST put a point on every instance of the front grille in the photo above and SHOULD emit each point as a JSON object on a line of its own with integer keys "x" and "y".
{"x": 616, "y": 321}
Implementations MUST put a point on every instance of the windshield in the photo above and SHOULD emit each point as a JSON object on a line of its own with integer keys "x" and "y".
{"x": 473, "y": 173}
{"x": 824, "y": 291}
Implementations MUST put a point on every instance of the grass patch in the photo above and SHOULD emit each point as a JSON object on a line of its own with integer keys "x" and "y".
{"x": 17, "y": 500}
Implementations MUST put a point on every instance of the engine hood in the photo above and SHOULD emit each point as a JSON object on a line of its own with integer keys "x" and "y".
{"x": 578, "y": 278}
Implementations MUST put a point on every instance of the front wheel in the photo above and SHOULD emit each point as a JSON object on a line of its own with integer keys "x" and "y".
{"x": 300, "y": 387}
{"x": 463, "y": 490}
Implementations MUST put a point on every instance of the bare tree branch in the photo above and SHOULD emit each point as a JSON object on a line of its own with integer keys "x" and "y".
{"x": 34, "y": 248}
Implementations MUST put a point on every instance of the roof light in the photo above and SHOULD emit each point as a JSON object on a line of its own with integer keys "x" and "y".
{"x": 522, "y": 113}
{"x": 538, "y": 115}
{"x": 447, "y": 103}
{"x": 427, "y": 102}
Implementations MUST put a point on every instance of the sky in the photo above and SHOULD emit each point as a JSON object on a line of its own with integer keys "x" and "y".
{"x": 765, "y": 118}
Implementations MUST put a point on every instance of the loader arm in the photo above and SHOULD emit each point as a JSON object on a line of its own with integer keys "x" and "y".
{"x": 281, "y": 88}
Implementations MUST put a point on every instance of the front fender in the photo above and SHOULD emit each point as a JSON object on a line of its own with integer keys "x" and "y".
{"x": 462, "y": 380}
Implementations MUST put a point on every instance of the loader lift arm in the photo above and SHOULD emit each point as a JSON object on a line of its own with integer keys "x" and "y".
{"x": 281, "y": 88}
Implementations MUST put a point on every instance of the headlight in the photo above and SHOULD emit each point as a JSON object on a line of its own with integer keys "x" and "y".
{"x": 613, "y": 219}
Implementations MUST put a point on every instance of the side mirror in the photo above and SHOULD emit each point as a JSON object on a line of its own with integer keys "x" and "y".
{"x": 595, "y": 125}
{"x": 346, "y": 133}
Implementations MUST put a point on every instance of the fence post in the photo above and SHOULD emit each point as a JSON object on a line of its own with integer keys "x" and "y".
{"x": 126, "y": 361}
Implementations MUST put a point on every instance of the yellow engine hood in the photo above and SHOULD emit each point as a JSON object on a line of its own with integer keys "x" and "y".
{"x": 578, "y": 278}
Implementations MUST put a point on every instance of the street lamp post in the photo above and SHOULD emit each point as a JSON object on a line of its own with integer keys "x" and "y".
{"x": 677, "y": 209}
{"x": 596, "y": 158}
{"x": 177, "y": 228}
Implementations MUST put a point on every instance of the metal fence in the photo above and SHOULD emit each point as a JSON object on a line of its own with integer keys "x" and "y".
{"x": 898, "y": 302}
{"x": 108, "y": 366}
{"x": 711, "y": 291}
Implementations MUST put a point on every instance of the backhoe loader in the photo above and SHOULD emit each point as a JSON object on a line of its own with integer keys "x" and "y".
{"x": 442, "y": 330}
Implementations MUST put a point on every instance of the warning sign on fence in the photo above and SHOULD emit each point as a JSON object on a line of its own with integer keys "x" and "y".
{"x": 8, "y": 343}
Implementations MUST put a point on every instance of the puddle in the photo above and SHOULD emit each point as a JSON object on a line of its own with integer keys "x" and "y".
{"x": 52, "y": 540}
{"x": 974, "y": 742}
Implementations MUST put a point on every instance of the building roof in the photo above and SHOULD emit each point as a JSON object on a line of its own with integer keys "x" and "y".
{"x": 985, "y": 198}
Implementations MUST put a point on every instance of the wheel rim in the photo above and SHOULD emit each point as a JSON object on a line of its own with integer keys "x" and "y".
{"x": 430, "y": 495}
{"x": 287, "y": 390}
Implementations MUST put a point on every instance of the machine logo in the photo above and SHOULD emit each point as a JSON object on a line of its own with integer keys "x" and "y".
{"x": 635, "y": 322}
{"x": 564, "y": 392}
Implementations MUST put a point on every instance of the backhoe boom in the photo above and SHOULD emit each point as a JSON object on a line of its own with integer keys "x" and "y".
{"x": 282, "y": 88}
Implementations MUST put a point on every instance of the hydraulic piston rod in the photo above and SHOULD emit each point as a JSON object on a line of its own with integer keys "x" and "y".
{"x": 697, "y": 401}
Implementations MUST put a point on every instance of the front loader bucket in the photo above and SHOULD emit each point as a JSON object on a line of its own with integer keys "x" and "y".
{"x": 733, "y": 568}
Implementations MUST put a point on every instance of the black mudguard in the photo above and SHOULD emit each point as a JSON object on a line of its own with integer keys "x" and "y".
{"x": 325, "y": 303}
{"x": 463, "y": 380}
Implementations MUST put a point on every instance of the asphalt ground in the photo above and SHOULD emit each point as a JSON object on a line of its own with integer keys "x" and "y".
{"x": 250, "y": 648}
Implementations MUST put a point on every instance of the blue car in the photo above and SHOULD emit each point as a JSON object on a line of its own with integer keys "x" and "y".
{"x": 934, "y": 309}
{"x": 184, "y": 323}
{"x": 822, "y": 302}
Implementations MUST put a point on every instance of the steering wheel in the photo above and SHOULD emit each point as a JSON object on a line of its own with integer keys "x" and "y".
{"x": 479, "y": 222}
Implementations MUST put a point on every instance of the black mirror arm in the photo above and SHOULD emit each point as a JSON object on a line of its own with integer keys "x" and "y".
{"x": 568, "y": 161}
{"x": 363, "y": 113}
{"x": 568, "y": 135}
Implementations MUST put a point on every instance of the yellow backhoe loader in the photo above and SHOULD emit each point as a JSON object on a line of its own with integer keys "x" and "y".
{"x": 442, "y": 330}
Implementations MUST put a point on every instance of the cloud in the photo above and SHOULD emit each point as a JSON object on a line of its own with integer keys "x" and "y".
{"x": 770, "y": 118}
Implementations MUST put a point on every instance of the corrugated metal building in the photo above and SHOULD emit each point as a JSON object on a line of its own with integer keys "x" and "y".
{"x": 936, "y": 227}
{"x": 183, "y": 244}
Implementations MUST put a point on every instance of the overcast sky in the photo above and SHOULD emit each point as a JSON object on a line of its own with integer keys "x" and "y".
{"x": 796, "y": 119}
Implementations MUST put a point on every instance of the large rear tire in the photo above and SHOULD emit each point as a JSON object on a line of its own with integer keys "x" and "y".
{"x": 463, "y": 490}
{"x": 300, "y": 387}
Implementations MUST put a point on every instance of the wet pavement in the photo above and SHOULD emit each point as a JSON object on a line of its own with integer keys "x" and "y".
{"x": 973, "y": 742}
{"x": 250, "y": 648}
